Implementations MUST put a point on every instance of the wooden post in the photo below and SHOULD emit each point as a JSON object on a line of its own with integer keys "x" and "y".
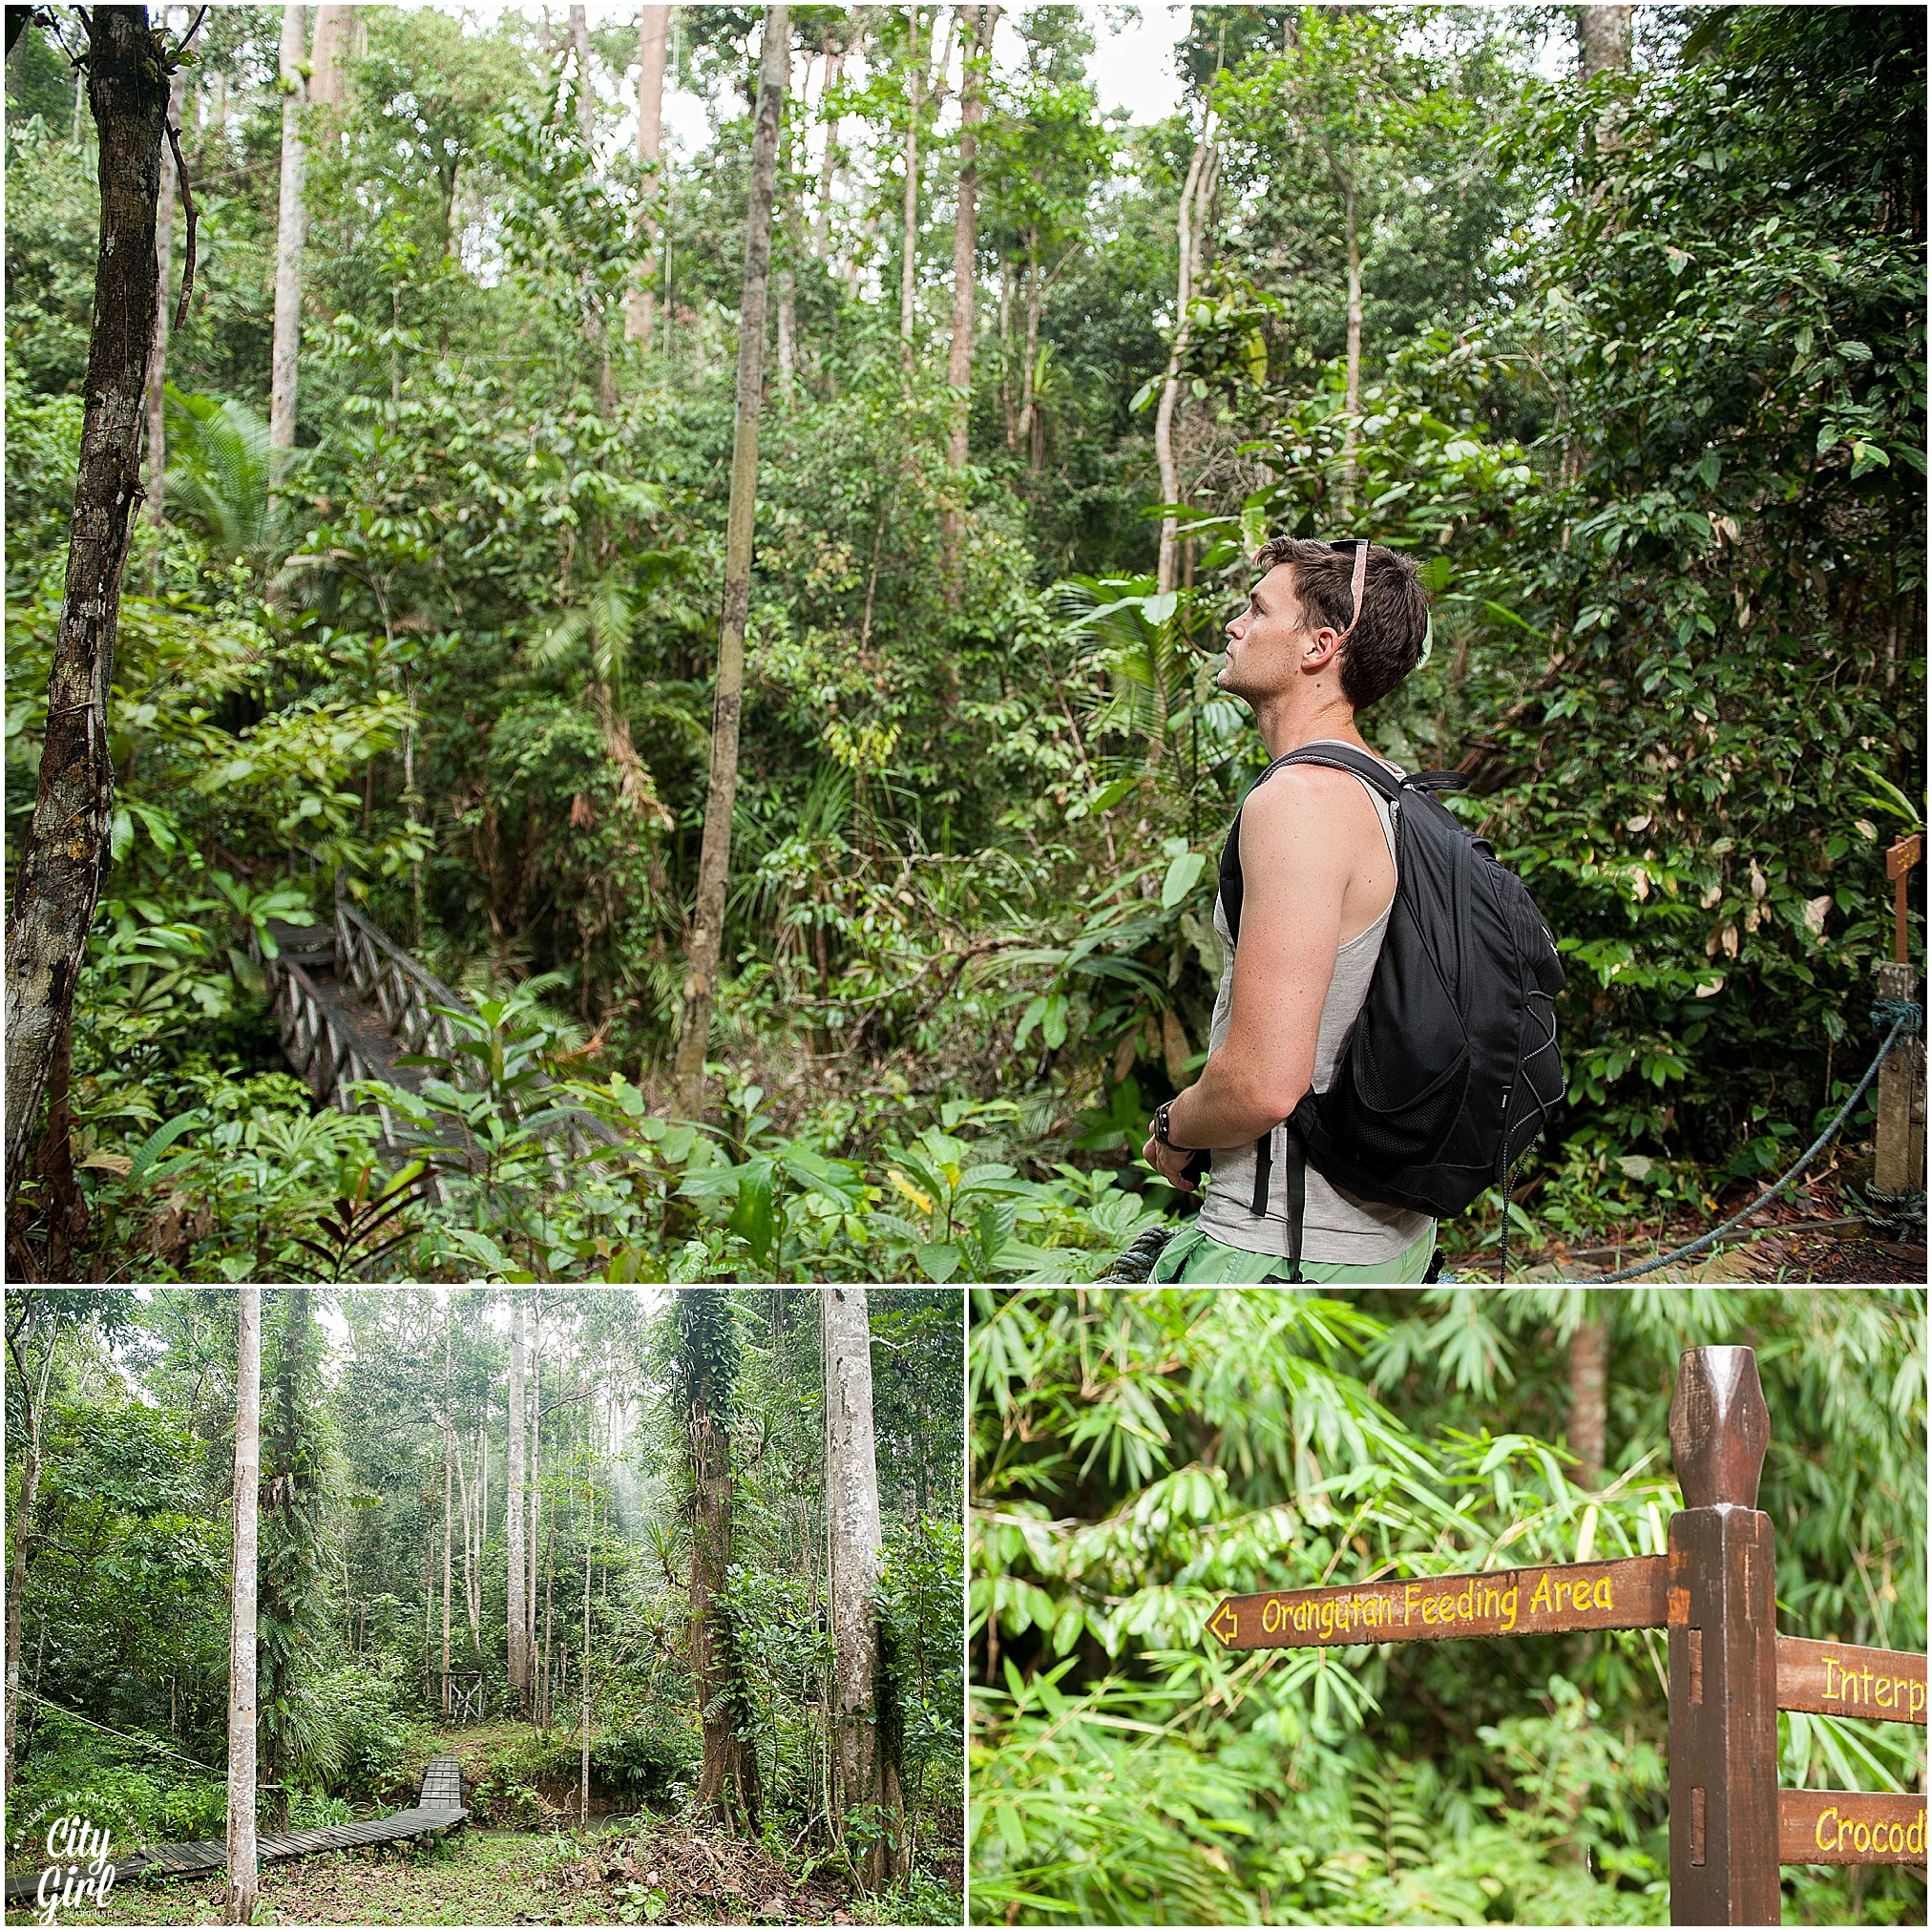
{"x": 1724, "y": 1841}
{"x": 1896, "y": 1169}
{"x": 1899, "y": 861}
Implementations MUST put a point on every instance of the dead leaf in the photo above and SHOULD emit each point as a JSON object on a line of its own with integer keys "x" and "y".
{"x": 116, "y": 1163}
{"x": 1175, "y": 1050}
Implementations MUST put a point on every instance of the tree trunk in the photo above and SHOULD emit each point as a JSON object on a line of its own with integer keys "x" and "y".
{"x": 22, "y": 1539}
{"x": 1603, "y": 39}
{"x": 596, "y": 332}
{"x": 239, "y": 1901}
{"x": 482, "y": 1530}
{"x": 909, "y": 253}
{"x": 583, "y": 1769}
{"x": 706, "y": 1367}
{"x": 333, "y": 27}
{"x": 714, "y": 862}
{"x": 868, "y": 1771}
{"x": 654, "y": 30}
{"x": 786, "y": 345}
{"x": 467, "y": 1512}
{"x": 291, "y": 232}
{"x": 1587, "y": 1353}
{"x": 1026, "y": 368}
{"x": 1342, "y": 172}
{"x": 448, "y": 1457}
{"x": 821, "y": 221}
{"x": 1184, "y": 330}
{"x": 66, "y": 850}
{"x": 157, "y": 355}
{"x": 965, "y": 242}
{"x": 512, "y": 1527}
{"x": 1008, "y": 412}
{"x": 549, "y": 1611}
{"x": 535, "y": 1506}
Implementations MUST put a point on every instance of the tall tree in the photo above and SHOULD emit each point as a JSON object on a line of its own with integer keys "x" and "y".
{"x": 909, "y": 252}
{"x": 868, "y": 1773}
{"x": 292, "y": 1591}
{"x": 976, "y": 37}
{"x": 65, "y": 851}
{"x": 239, "y": 1901}
{"x": 291, "y": 232}
{"x": 157, "y": 355}
{"x": 583, "y": 1760}
{"x": 654, "y": 30}
{"x": 334, "y": 24}
{"x": 1196, "y": 192}
{"x": 512, "y": 1527}
{"x": 708, "y": 1374}
{"x": 721, "y": 792}
{"x": 535, "y": 1491}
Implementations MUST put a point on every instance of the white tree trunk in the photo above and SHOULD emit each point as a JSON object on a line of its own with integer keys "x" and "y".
{"x": 865, "y": 1774}
{"x": 584, "y": 1787}
{"x": 239, "y": 1901}
{"x": 513, "y": 1533}
{"x": 22, "y": 1528}
{"x": 653, "y": 33}
{"x": 164, "y": 267}
{"x": 333, "y": 26}
{"x": 821, "y": 220}
{"x": 908, "y": 254}
{"x": 1193, "y": 192}
{"x": 535, "y": 1503}
{"x": 290, "y": 234}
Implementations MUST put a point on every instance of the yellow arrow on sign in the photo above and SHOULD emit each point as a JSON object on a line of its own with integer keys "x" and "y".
{"x": 1225, "y": 1623}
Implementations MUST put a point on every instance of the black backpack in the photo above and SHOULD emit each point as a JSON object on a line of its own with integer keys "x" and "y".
{"x": 1452, "y": 1068}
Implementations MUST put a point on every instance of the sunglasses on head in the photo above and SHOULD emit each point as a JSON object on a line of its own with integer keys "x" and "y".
{"x": 1360, "y": 546}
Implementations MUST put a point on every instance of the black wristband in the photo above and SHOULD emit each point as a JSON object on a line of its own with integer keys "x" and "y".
{"x": 1161, "y": 1132}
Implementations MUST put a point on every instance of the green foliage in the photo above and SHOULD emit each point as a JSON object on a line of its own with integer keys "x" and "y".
{"x": 1140, "y": 1453}
{"x": 1641, "y": 389}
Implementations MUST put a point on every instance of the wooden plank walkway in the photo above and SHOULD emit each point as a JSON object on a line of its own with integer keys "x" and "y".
{"x": 438, "y": 1808}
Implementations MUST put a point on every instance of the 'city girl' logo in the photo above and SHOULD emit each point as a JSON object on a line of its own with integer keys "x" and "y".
{"x": 78, "y": 1871}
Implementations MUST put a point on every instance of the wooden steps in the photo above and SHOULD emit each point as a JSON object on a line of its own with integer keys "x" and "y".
{"x": 438, "y": 1808}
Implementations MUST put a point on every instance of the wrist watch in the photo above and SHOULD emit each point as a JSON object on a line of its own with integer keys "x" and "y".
{"x": 1161, "y": 1132}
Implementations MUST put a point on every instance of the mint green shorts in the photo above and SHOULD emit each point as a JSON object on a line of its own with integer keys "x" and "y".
{"x": 1192, "y": 1255}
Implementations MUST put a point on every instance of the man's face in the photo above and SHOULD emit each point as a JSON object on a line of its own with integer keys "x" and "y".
{"x": 1265, "y": 639}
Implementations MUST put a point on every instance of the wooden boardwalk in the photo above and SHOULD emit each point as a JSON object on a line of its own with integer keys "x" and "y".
{"x": 438, "y": 1808}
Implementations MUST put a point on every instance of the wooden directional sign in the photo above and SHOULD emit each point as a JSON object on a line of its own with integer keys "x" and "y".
{"x": 1730, "y": 1826}
{"x": 1840, "y": 1679}
{"x": 1850, "y": 1827}
{"x": 1630, "y": 1594}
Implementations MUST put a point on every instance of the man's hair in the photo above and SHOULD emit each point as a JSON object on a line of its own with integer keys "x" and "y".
{"x": 1387, "y": 643}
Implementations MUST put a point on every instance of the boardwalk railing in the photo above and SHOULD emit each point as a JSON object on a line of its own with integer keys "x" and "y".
{"x": 380, "y": 970}
{"x": 412, "y": 1006}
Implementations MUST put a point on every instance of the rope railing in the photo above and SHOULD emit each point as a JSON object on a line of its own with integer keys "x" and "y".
{"x": 1906, "y": 1019}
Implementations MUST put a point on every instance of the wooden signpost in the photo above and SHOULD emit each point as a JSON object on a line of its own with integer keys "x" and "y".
{"x": 1731, "y": 1671}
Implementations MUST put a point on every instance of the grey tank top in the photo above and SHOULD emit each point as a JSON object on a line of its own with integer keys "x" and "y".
{"x": 1337, "y": 1229}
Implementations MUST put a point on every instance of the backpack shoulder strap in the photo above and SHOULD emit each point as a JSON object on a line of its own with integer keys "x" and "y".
{"x": 1344, "y": 758}
{"x": 1337, "y": 758}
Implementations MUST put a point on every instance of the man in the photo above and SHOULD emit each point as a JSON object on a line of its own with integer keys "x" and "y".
{"x": 1327, "y": 630}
